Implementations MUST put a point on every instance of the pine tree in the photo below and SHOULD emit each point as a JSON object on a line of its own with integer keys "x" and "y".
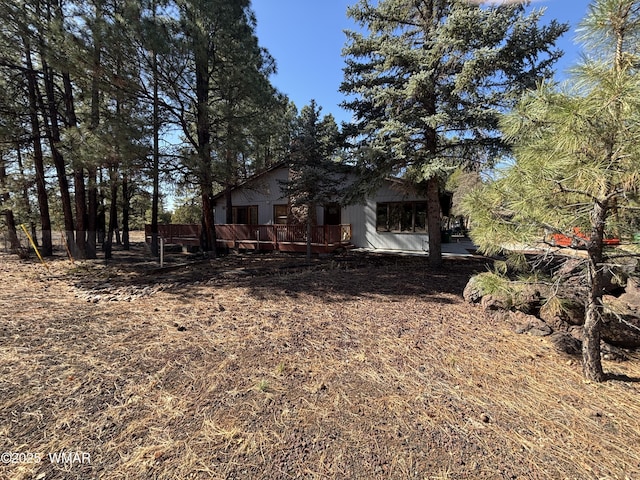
{"x": 152, "y": 35}
{"x": 428, "y": 79}
{"x": 246, "y": 100}
{"x": 577, "y": 160}
{"x": 14, "y": 114}
{"x": 270, "y": 135}
{"x": 6, "y": 206}
{"x": 38, "y": 154}
{"x": 92, "y": 73}
{"x": 316, "y": 177}
{"x": 215, "y": 78}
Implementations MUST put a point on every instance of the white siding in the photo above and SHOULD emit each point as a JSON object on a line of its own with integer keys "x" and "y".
{"x": 264, "y": 192}
{"x": 363, "y": 223}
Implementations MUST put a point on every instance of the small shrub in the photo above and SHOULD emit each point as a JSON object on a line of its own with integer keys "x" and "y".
{"x": 491, "y": 283}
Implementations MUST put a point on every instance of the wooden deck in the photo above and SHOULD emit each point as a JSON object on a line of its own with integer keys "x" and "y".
{"x": 285, "y": 238}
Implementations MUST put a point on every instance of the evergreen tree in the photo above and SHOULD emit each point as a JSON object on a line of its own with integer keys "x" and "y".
{"x": 104, "y": 128}
{"x": 154, "y": 43}
{"x": 38, "y": 154}
{"x": 577, "y": 160}
{"x": 270, "y": 135}
{"x": 14, "y": 130}
{"x": 6, "y": 206}
{"x": 89, "y": 75}
{"x": 316, "y": 177}
{"x": 428, "y": 80}
{"x": 246, "y": 100}
{"x": 214, "y": 59}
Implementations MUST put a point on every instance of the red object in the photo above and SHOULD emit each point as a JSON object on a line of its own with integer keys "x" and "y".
{"x": 561, "y": 240}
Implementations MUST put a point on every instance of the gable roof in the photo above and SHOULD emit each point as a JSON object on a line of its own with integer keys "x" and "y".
{"x": 399, "y": 183}
{"x": 252, "y": 179}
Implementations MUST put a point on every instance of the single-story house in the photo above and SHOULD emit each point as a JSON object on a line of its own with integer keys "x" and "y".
{"x": 394, "y": 218}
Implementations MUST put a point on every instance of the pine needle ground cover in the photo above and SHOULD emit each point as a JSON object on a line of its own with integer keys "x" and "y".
{"x": 266, "y": 367}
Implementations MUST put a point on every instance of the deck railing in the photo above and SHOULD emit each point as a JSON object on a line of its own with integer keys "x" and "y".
{"x": 327, "y": 235}
{"x": 265, "y": 237}
{"x": 184, "y": 234}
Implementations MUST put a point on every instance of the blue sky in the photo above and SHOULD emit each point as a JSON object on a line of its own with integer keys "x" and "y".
{"x": 306, "y": 39}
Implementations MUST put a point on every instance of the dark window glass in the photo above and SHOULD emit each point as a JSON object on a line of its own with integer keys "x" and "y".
{"x": 382, "y": 217}
{"x": 401, "y": 217}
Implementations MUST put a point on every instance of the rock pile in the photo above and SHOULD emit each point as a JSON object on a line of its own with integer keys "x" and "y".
{"x": 556, "y": 307}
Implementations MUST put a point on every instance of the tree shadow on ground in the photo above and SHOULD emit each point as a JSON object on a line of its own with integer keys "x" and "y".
{"x": 395, "y": 278}
{"x": 332, "y": 277}
{"x": 622, "y": 378}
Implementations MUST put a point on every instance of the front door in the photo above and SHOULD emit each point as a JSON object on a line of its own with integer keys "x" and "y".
{"x": 332, "y": 214}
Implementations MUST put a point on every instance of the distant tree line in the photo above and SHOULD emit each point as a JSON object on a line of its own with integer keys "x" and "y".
{"x": 102, "y": 99}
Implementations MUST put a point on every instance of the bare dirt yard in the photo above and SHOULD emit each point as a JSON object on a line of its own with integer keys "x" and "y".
{"x": 264, "y": 367}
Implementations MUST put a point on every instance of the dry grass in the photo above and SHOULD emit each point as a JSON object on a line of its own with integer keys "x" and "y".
{"x": 355, "y": 367}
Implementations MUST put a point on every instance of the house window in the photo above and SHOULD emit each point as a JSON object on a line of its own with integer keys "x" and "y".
{"x": 401, "y": 217}
{"x": 245, "y": 215}
{"x": 280, "y": 214}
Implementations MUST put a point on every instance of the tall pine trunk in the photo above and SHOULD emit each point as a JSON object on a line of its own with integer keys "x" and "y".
{"x": 208, "y": 240}
{"x": 591, "y": 358}
{"x": 12, "y": 232}
{"x": 92, "y": 213}
{"x": 125, "y": 212}
{"x": 51, "y": 115}
{"x": 25, "y": 193}
{"x": 433, "y": 222}
{"x": 204, "y": 145}
{"x": 38, "y": 159}
{"x": 92, "y": 184}
{"x": 81, "y": 211}
{"x": 433, "y": 191}
{"x": 113, "y": 211}
{"x": 80, "y": 195}
{"x": 155, "y": 172}
{"x": 6, "y": 211}
{"x": 53, "y": 133}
